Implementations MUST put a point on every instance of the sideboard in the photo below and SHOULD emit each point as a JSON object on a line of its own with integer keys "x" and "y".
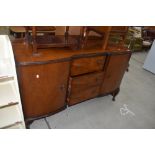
{"x": 61, "y": 77}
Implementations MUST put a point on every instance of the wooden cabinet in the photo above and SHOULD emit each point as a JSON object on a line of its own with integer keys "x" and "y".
{"x": 43, "y": 88}
{"x": 57, "y": 77}
{"x": 47, "y": 88}
{"x": 84, "y": 87}
{"x": 115, "y": 69}
{"x": 87, "y": 65}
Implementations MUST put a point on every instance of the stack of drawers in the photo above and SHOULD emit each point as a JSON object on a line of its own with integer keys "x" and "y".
{"x": 9, "y": 106}
{"x": 11, "y": 115}
{"x": 85, "y": 79}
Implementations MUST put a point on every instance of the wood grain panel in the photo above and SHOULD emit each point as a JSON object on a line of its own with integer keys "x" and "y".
{"x": 84, "y": 87}
{"x": 87, "y": 65}
{"x": 85, "y": 95}
{"x": 115, "y": 69}
{"x": 43, "y": 88}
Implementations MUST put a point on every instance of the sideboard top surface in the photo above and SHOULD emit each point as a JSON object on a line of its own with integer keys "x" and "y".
{"x": 23, "y": 53}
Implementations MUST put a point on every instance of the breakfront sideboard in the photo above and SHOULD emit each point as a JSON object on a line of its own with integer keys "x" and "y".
{"x": 60, "y": 77}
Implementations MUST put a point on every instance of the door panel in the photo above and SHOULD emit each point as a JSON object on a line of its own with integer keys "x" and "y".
{"x": 115, "y": 70}
{"x": 43, "y": 88}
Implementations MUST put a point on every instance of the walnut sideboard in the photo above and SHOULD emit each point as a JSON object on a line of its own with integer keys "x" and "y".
{"x": 57, "y": 78}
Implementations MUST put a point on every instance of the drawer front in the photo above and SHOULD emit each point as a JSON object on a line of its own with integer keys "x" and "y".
{"x": 9, "y": 115}
{"x": 17, "y": 125}
{"x": 83, "y": 82}
{"x": 84, "y": 87}
{"x": 83, "y": 95}
{"x": 87, "y": 65}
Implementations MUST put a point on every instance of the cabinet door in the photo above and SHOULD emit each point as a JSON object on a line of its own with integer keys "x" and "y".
{"x": 43, "y": 88}
{"x": 115, "y": 69}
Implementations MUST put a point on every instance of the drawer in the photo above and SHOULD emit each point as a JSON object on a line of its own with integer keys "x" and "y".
{"x": 87, "y": 65}
{"x": 83, "y": 82}
{"x": 9, "y": 115}
{"x": 17, "y": 125}
{"x": 84, "y": 87}
{"x": 83, "y": 95}
{"x": 8, "y": 94}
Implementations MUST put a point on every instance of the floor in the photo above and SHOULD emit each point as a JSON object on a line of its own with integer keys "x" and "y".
{"x": 134, "y": 107}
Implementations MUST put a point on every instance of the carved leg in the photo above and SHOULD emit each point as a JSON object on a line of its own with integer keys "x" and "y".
{"x": 115, "y": 93}
{"x": 28, "y": 123}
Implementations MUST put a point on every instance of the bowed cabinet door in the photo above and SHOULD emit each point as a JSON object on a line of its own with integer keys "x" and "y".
{"x": 115, "y": 69}
{"x": 43, "y": 88}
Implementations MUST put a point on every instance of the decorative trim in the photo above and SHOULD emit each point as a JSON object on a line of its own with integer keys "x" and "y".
{"x": 42, "y": 62}
{"x": 73, "y": 57}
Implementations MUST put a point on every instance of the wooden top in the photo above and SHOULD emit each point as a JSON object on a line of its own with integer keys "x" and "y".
{"x": 23, "y": 53}
{"x": 17, "y": 29}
